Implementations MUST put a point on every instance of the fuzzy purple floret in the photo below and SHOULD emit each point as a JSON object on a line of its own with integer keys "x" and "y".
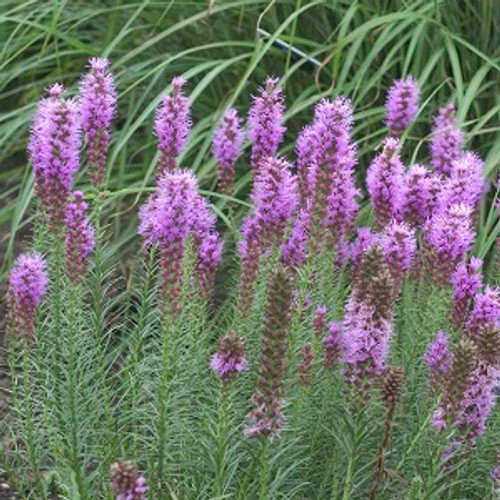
{"x": 385, "y": 181}
{"x": 438, "y": 360}
{"x": 485, "y": 313}
{"x": 399, "y": 245}
{"x": 225, "y": 364}
{"x": 28, "y": 280}
{"x": 330, "y": 178}
{"x": 227, "y": 147}
{"x": 466, "y": 281}
{"x": 295, "y": 248}
{"x": 98, "y": 101}
{"x": 172, "y": 125}
{"x": 466, "y": 183}
{"x": 332, "y": 346}
{"x": 54, "y": 151}
{"x": 447, "y": 140}
{"x": 402, "y": 105}
{"x": 265, "y": 122}
{"x": 365, "y": 239}
{"x": 80, "y": 237}
{"x": 417, "y": 198}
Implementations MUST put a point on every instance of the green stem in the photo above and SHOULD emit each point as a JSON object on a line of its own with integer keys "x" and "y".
{"x": 264, "y": 470}
{"x": 221, "y": 442}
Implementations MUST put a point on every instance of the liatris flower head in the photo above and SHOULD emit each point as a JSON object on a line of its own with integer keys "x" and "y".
{"x": 331, "y": 180}
{"x": 295, "y": 248}
{"x": 306, "y": 149}
{"x": 332, "y": 346}
{"x": 227, "y": 148}
{"x": 484, "y": 314}
{"x": 54, "y": 150}
{"x": 80, "y": 237}
{"x": 267, "y": 417}
{"x": 172, "y": 126}
{"x": 275, "y": 197}
{"x": 127, "y": 482}
{"x": 319, "y": 321}
{"x": 265, "y": 122}
{"x": 466, "y": 281}
{"x": 385, "y": 181}
{"x": 305, "y": 367}
{"x": 417, "y": 196}
{"x": 365, "y": 239}
{"x": 447, "y": 140}
{"x": 98, "y": 108}
{"x": 27, "y": 285}
{"x": 466, "y": 183}
{"x": 166, "y": 220}
{"x": 367, "y": 323}
{"x": 448, "y": 236}
{"x": 229, "y": 360}
{"x": 391, "y": 385}
{"x": 438, "y": 361}
{"x": 399, "y": 244}
{"x": 402, "y": 105}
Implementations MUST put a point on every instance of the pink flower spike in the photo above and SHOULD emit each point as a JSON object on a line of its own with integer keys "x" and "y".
{"x": 402, "y": 105}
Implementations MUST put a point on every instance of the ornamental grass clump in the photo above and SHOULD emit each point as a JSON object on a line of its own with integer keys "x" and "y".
{"x": 254, "y": 349}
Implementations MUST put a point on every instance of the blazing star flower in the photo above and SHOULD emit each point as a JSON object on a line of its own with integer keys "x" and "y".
{"x": 306, "y": 149}
{"x": 127, "y": 482}
{"x": 466, "y": 281}
{"x": 448, "y": 236}
{"x": 80, "y": 238}
{"x": 319, "y": 321}
{"x": 368, "y": 319}
{"x": 466, "y": 183}
{"x": 486, "y": 312}
{"x": 54, "y": 150}
{"x": 229, "y": 360}
{"x": 438, "y": 360}
{"x": 172, "y": 126}
{"x": 98, "y": 108}
{"x": 266, "y": 419}
{"x": 27, "y": 285}
{"x": 295, "y": 248}
{"x": 385, "y": 181}
{"x": 402, "y": 105}
{"x": 400, "y": 248}
{"x": 333, "y": 202}
{"x": 227, "y": 148}
{"x": 166, "y": 220}
{"x": 332, "y": 346}
{"x": 265, "y": 123}
{"x": 447, "y": 140}
{"x": 305, "y": 367}
{"x": 417, "y": 199}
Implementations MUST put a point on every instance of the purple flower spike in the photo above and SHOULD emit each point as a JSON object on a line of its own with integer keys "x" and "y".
{"x": 54, "y": 150}
{"x": 385, "y": 181}
{"x": 438, "y": 360}
{"x": 447, "y": 140}
{"x": 402, "y": 105}
{"x": 166, "y": 220}
{"x": 27, "y": 285}
{"x": 365, "y": 239}
{"x": 448, "y": 236}
{"x": 80, "y": 238}
{"x": 306, "y": 150}
{"x": 98, "y": 108}
{"x": 331, "y": 178}
{"x": 229, "y": 360}
{"x": 127, "y": 482}
{"x": 466, "y": 281}
{"x": 400, "y": 247}
{"x": 226, "y": 146}
{"x": 295, "y": 248}
{"x": 466, "y": 183}
{"x": 319, "y": 321}
{"x": 332, "y": 346}
{"x": 484, "y": 314}
{"x": 417, "y": 198}
{"x": 265, "y": 123}
{"x": 172, "y": 126}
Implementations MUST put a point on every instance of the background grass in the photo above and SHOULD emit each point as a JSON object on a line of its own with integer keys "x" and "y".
{"x": 358, "y": 48}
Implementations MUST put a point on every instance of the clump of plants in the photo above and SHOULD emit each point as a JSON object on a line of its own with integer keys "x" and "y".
{"x": 354, "y": 353}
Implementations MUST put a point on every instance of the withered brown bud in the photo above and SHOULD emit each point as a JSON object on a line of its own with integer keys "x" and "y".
{"x": 464, "y": 359}
{"x": 305, "y": 367}
{"x": 488, "y": 345}
{"x": 392, "y": 383}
